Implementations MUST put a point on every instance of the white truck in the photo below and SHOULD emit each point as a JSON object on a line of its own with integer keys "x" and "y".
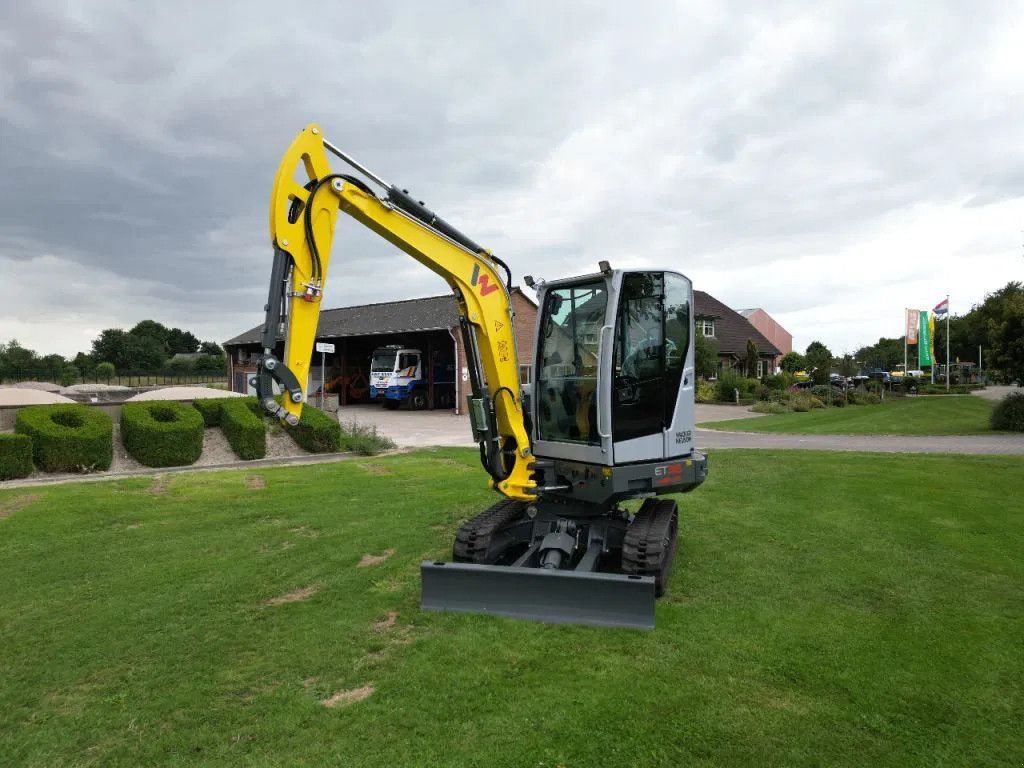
{"x": 398, "y": 379}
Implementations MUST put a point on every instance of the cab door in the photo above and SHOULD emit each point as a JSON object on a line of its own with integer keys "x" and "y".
{"x": 652, "y": 369}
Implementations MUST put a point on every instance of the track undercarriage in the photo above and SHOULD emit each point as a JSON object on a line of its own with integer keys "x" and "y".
{"x": 532, "y": 560}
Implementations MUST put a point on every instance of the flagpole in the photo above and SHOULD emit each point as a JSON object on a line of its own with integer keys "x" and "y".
{"x": 905, "y": 334}
{"x": 949, "y": 370}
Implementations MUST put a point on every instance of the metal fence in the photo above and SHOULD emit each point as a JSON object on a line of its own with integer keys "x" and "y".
{"x": 123, "y": 379}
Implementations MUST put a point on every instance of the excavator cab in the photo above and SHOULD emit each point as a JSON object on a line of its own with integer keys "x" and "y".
{"x": 614, "y": 368}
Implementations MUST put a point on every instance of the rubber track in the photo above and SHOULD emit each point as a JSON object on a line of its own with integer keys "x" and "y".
{"x": 649, "y": 545}
{"x": 474, "y": 536}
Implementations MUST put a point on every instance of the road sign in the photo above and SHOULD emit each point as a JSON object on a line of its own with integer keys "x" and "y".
{"x": 323, "y": 346}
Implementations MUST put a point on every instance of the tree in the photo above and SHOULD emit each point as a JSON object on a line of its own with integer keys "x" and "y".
{"x": 792, "y": 362}
{"x": 211, "y": 348}
{"x": 15, "y": 357}
{"x": 885, "y": 354}
{"x": 105, "y": 371}
{"x": 84, "y": 363}
{"x": 129, "y": 352}
{"x": 211, "y": 364}
{"x": 1003, "y": 315}
{"x": 151, "y": 329}
{"x": 146, "y": 353}
{"x": 819, "y": 358}
{"x": 848, "y": 366}
{"x": 179, "y": 341}
{"x": 52, "y": 365}
{"x": 706, "y": 355}
{"x": 112, "y": 345}
{"x": 751, "y": 358}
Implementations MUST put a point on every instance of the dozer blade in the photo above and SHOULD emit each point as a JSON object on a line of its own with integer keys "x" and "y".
{"x": 554, "y": 596}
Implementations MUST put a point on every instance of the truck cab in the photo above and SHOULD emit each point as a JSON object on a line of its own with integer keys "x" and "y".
{"x": 394, "y": 372}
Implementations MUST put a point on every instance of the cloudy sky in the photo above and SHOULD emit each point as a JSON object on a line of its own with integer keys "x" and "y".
{"x": 830, "y": 162}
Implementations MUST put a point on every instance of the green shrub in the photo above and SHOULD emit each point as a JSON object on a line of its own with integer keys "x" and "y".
{"x": 68, "y": 438}
{"x": 210, "y": 408}
{"x": 316, "y": 432}
{"x": 162, "y": 433}
{"x": 364, "y": 440}
{"x": 15, "y": 456}
{"x": 68, "y": 376}
{"x": 861, "y": 397}
{"x": 769, "y": 407}
{"x": 779, "y": 382}
{"x": 940, "y": 389}
{"x": 706, "y": 391}
{"x": 105, "y": 371}
{"x": 244, "y": 430}
{"x": 1009, "y": 413}
{"x": 729, "y": 381}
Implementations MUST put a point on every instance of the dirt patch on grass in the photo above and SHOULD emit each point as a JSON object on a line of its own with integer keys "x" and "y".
{"x": 17, "y": 503}
{"x": 133, "y": 526}
{"x": 255, "y": 482}
{"x": 309, "y": 533}
{"x": 376, "y": 469}
{"x": 295, "y": 596}
{"x": 351, "y": 696}
{"x": 371, "y": 560}
{"x": 160, "y": 484}
{"x": 386, "y": 624}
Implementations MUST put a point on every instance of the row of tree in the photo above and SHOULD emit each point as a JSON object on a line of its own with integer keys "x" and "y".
{"x": 996, "y": 325}
{"x": 149, "y": 347}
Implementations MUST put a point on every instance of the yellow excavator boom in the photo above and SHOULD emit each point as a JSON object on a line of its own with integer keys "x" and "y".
{"x": 302, "y": 222}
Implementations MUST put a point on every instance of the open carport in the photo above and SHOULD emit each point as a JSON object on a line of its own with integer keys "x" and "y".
{"x": 430, "y": 325}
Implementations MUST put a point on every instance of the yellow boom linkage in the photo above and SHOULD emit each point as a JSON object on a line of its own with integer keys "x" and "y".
{"x": 302, "y": 221}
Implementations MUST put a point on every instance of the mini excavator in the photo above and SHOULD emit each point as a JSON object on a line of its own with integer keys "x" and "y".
{"x": 609, "y": 417}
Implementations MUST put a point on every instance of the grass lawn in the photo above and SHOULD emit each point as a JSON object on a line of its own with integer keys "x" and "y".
{"x": 826, "y": 610}
{"x": 935, "y": 415}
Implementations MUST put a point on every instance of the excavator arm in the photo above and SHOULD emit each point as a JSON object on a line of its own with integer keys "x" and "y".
{"x": 303, "y": 215}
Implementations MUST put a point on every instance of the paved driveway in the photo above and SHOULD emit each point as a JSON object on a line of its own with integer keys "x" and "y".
{"x": 426, "y": 428}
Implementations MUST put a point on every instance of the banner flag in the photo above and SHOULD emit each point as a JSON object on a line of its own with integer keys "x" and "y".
{"x": 925, "y": 357}
{"x": 942, "y": 307}
{"x": 913, "y": 318}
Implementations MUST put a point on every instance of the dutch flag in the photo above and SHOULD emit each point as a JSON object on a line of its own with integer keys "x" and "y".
{"x": 942, "y": 307}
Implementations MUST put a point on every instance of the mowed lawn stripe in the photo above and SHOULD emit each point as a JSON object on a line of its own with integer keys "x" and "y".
{"x": 931, "y": 415}
{"x": 826, "y": 609}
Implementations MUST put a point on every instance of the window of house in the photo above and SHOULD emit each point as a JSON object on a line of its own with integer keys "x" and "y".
{"x": 760, "y": 368}
{"x": 706, "y": 327}
{"x": 525, "y": 374}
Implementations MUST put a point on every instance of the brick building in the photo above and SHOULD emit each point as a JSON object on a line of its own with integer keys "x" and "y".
{"x": 769, "y": 327}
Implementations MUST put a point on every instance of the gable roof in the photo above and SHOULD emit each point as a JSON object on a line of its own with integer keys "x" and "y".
{"x": 731, "y": 328}
{"x": 432, "y": 313}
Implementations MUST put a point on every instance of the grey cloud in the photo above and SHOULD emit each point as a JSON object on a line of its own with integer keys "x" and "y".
{"x": 141, "y": 146}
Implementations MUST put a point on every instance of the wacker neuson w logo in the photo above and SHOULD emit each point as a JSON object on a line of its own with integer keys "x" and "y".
{"x": 486, "y": 286}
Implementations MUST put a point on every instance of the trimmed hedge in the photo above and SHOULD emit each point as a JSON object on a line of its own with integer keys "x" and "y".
{"x": 15, "y": 456}
{"x": 316, "y": 431}
{"x": 1009, "y": 413}
{"x": 162, "y": 433}
{"x": 210, "y": 408}
{"x": 68, "y": 438}
{"x": 243, "y": 428}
